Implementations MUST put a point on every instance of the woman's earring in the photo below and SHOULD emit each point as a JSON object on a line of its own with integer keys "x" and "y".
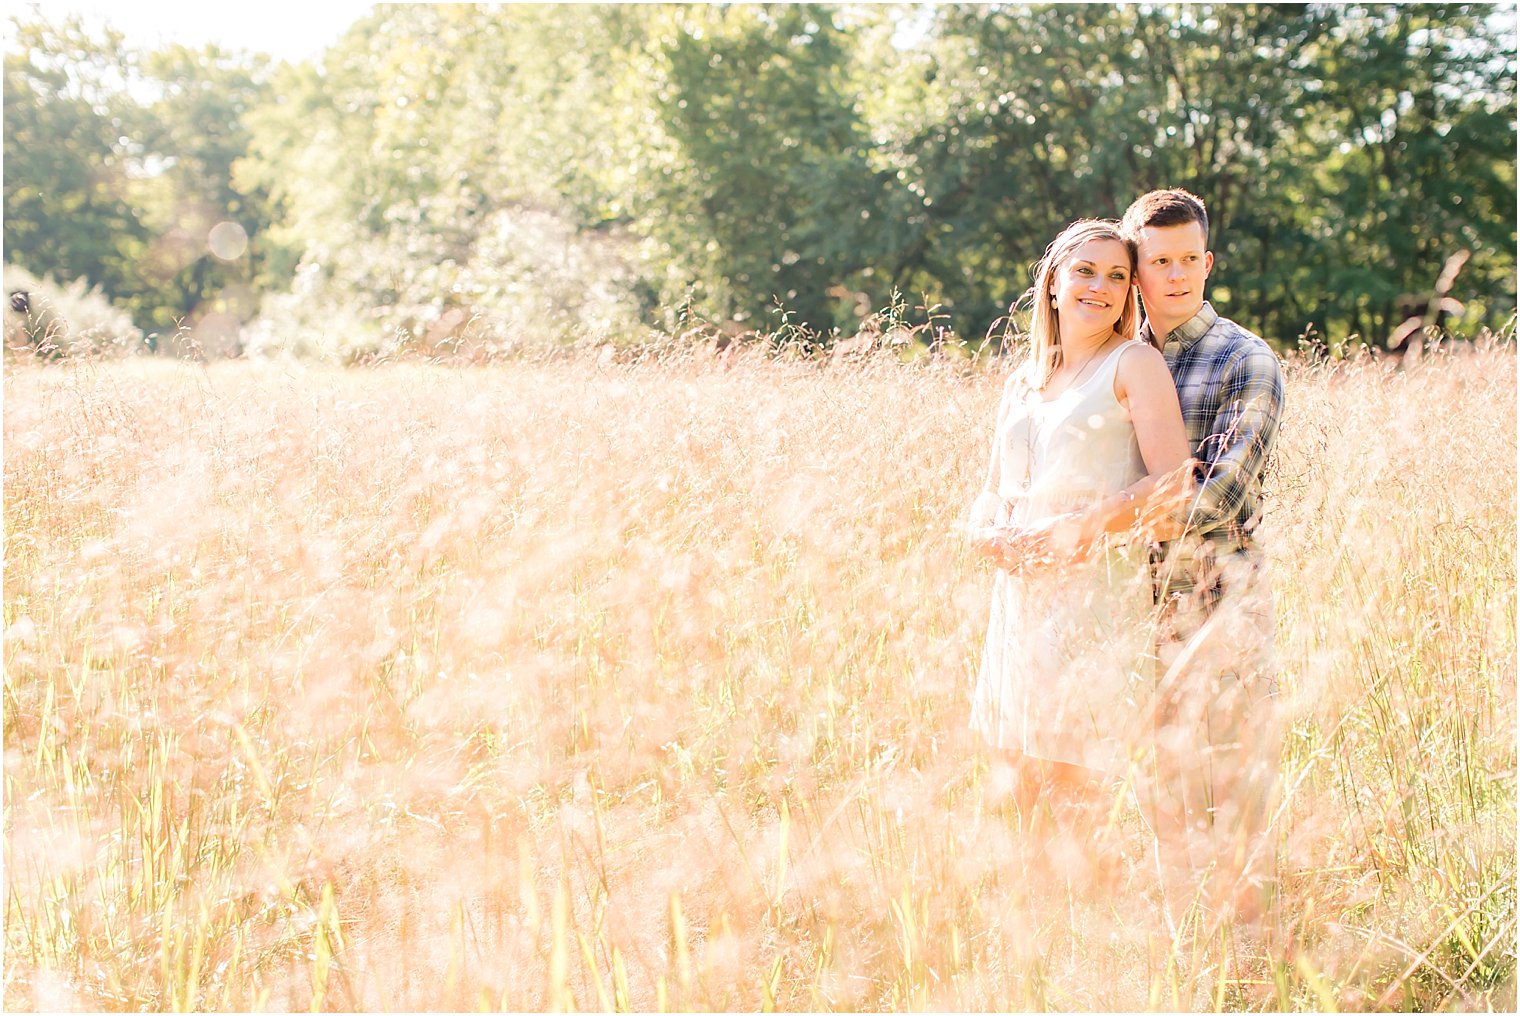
{"x": 1053, "y": 304}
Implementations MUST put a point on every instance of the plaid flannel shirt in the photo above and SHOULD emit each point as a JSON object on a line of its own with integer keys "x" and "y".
{"x": 1231, "y": 389}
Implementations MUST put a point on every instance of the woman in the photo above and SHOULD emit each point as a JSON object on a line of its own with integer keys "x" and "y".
{"x": 1089, "y": 445}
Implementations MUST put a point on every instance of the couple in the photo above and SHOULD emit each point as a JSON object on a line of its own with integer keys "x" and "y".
{"x": 1131, "y": 624}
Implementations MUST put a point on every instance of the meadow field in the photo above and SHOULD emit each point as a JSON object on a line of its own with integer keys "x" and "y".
{"x": 607, "y": 683}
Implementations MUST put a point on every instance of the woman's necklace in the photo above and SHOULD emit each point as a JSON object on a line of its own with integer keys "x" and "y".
{"x": 1032, "y": 432}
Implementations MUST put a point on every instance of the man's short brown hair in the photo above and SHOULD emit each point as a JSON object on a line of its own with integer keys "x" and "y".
{"x": 1173, "y": 207}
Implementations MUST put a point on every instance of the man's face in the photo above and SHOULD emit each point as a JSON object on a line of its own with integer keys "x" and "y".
{"x": 1174, "y": 265}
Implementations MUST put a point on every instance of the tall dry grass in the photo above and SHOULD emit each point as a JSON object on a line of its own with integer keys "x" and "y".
{"x": 646, "y": 686}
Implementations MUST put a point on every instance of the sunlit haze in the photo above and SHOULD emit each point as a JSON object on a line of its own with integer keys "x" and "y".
{"x": 284, "y": 30}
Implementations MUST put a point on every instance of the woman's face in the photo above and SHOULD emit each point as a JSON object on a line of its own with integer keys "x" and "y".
{"x": 1092, "y": 285}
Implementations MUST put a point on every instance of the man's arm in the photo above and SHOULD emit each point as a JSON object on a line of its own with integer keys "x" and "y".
{"x": 1231, "y": 459}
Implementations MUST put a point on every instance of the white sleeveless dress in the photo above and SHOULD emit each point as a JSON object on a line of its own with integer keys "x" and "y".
{"x": 1062, "y": 674}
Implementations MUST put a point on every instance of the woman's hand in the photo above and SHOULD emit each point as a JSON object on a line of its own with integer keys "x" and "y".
{"x": 1048, "y": 542}
{"x": 991, "y": 542}
{"x": 1013, "y": 549}
{"x": 1026, "y": 549}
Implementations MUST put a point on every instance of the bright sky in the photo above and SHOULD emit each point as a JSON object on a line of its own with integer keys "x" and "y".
{"x": 285, "y": 30}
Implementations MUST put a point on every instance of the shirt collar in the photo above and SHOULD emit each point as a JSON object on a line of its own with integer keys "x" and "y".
{"x": 1192, "y": 329}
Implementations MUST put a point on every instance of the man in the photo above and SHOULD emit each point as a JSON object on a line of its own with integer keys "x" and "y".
{"x": 1217, "y": 733}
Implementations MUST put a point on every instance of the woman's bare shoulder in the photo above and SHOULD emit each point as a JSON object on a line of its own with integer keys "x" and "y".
{"x": 1141, "y": 362}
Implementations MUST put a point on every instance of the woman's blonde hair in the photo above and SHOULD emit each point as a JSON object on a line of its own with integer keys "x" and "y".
{"x": 1046, "y": 354}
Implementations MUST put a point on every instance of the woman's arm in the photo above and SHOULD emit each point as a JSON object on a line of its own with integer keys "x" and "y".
{"x": 1144, "y": 386}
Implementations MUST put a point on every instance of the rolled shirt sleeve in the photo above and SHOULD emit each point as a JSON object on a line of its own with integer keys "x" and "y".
{"x": 1233, "y": 454}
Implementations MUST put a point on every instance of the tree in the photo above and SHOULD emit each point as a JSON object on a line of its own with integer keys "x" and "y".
{"x": 208, "y": 234}
{"x": 569, "y": 171}
{"x": 769, "y": 194}
{"x": 446, "y": 159}
{"x": 68, "y": 121}
{"x": 1322, "y": 138}
{"x": 1416, "y": 139}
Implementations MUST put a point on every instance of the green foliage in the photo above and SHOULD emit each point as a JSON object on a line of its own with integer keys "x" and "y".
{"x": 119, "y": 172}
{"x": 1419, "y": 136}
{"x": 1031, "y": 116}
{"x": 67, "y": 205}
{"x": 560, "y": 173}
{"x": 773, "y": 162}
{"x": 208, "y": 249}
{"x": 443, "y": 183}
